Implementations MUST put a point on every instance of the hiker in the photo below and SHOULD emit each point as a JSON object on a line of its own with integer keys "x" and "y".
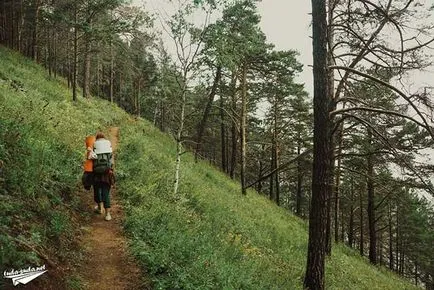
{"x": 103, "y": 177}
{"x": 87, "y": 178}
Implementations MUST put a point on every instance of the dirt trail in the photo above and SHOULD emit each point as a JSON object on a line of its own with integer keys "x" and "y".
{"x": 107, "y": 264}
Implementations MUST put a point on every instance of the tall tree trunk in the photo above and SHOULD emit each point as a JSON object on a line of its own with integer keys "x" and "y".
{"x": 55, "y": 48}
{"x": 351, "y": 222}
{"x": 272, "y": 179}
{"x": 50, "y": 39}
{"x": 380, "y": 248}
{"x": 234, "y": 128}
{"x": 342, "y": 225}
{"x": 328, "y": 234}
{"x": 98, "y": 73}
{"x": 275, "y": 190}
{"x": 321, "y": 175}
{"x": 391, "y": 258}
{"x": 20, "y": 27}
{"x": 331, "y": 96}
{"x": 243, "y": 127}
{"x": 12, "y": 25}
{"x": 75, "y": 60}
{"x": 362, "y": 241}
{"x": 222, "y": 135}
{"x": 338, "y": 182}
{"x": 112, "y": 69}
{"x": 401, "y": 257}
{"x": 202, "y": 123}
{"x": 3, "y": 26}
{"x": 179, "y": 135}
{"x": 299, "y": 195}
{"x": 86, "y": 65}
{"x": 276, "y": 176}
{"x": 139, "y": 91}
{"x": 371, "y": 204}
{"x": 35, "y": 40}
{"x": 261, "y": 169}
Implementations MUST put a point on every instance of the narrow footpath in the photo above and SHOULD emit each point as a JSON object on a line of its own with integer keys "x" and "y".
{"x": 107, "y": 264}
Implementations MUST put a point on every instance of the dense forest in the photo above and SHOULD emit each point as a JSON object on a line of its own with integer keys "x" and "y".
{"x": 351, "y": 160}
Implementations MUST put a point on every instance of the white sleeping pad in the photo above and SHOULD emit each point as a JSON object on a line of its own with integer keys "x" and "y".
{"x": 102, "y": 146}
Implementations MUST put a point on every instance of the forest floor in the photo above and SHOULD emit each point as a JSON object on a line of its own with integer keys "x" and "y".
{"x": 107, "y": 264}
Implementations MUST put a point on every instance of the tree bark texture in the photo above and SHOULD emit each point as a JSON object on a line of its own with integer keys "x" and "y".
{"x": 243, "y": 127}
{"x": 202, "y": 123}
{"x": 314, "y": 278}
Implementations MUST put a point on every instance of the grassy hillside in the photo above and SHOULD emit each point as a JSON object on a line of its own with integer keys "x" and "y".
{"x": 212, "y": 237}
{"x": 208, "y": 237}
{"x": 42, "y": 146}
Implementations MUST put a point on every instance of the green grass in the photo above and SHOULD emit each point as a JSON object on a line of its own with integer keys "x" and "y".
{"x": 42, "y": 146}
{"x": 212, "y": 237}
{"x": 208, "y": 237}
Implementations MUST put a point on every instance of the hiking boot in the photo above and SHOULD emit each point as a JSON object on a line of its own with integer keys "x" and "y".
{"x": 97, "y": 209}
{"x": 108, "y": 217}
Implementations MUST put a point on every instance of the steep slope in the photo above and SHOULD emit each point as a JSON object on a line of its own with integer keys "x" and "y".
{"x": 211, "y": 236}
{"x": 207, "y": 237}
{"x": 42, "y": 212}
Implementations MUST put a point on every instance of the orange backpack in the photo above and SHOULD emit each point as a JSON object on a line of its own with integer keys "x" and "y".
{"x": 88, "y": 164}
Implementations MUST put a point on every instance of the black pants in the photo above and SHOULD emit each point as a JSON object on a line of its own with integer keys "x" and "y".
{"x": 101, "y": 193}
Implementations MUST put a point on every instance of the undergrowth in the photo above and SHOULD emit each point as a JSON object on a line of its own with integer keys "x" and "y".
{"x": 41, "y": 151}
{"x": 210, "y": 236}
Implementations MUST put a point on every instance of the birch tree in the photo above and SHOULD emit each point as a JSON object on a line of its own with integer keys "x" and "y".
{"x": 188, "y": 41}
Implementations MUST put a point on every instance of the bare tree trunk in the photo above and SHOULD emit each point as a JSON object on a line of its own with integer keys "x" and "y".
{"x": 202, "y": 123}
{"x": 55, "y": 48}
{"x": 20, "y": 28}
{"x": 50, "y": 38}
{"x": 86, "y": 65}
{"x": 234, "y": 128}
{"x": 12, "y": 25}
{"x": 35, "y": 31}
{"x": 391, "y": 258}
{"x": 243, "y": 127}
{"x": 351, "y": 223}
{"x": 179, "y": 134}
{"x": 342, "y": 225}
{"x": 328, "y": 234}
{"x": 321, "y": 175}
{"x": 276, "y": 176}
{"x": 222, "y": 134}
{"x": 362, "y": 242}
{"x": 139, "y": 91}
{"x": 75, "y": 60}
{"x": 402, "y": 260}
{"x": 299, "y": 195}
{"x": 275, "y": 189}
{"x": 371, "y": 205}
{"x": 112, "y": 75}
{"x": 3, "y": 26}
{"x": 98, "y": 74}
{"x": 271, "y": 194}
{"x": 330, "y": 94}
{"x": 261, "y": 169}
{"x": 338, "y": 183}
{"x": 380, "y": 248}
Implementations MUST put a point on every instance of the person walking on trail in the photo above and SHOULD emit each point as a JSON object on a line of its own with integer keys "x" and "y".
{"x": 103, "y": 177}
{"x": 87, "y": 178}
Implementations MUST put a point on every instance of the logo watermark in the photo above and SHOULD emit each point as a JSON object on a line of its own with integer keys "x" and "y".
{"x": 24, "y": 276}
